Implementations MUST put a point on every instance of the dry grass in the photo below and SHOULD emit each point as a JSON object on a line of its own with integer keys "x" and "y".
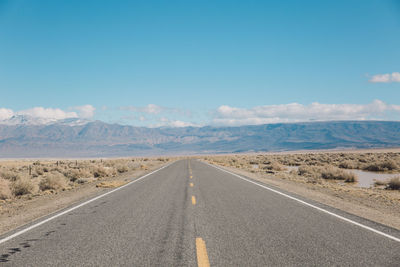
{"x": 75, "y": 174}
{"x": 18, "y": 178}
{"x": 122, "y": 168}
{"x": 101, "y": 172}
{"x": 313, "y": 167}
{"x": 53, "y": 181}
{"x": 394, "y": 183}
{"x": 379, "y": 162}
{"x": 327, "y": 172}
{"x": 273, "y": 166}
{"x": 5, "y": 191}
{"x": 9, "y": 175}
{"x": 333, "y": 173}
{"x": 111, "y": 184}
{"x": 388, "y": 165}
{"x": 22, "y": 186}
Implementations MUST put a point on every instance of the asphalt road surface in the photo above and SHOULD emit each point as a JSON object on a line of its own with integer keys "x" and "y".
{"x": 192, "y": 214}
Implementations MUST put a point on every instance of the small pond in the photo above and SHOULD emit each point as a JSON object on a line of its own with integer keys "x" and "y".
{"x": 291, "y": 168}
{"x": 365, "y": 179}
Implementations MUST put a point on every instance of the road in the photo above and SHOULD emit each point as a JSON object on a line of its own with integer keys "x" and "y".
{"x": 192, "y": 214}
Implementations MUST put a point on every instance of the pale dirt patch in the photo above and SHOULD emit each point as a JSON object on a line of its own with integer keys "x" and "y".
{"x": 379, "y": 205}
{"x": 20, "y": 211}
{"x": 112, "y": 184}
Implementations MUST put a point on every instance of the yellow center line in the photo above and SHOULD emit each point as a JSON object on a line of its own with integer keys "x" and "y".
{"x": 191, "y": 176}
{"x": 193, "y": 200}
{"x": 191, "y": 184}
{"x": 201, "y": 250}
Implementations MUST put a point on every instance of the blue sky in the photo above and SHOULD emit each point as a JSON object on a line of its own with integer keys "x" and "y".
{"x": 153, "y": 63}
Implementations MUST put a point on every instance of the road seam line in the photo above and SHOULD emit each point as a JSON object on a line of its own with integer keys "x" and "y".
{"x": 76, "y": 207}
{"x": 311, "y": 205}
{"x": 201, "y": 251}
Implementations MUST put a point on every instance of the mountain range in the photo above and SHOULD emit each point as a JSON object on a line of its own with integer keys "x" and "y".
{"x": 20, "y": 138}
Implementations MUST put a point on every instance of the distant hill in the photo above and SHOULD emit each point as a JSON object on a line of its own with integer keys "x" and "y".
{"x": 99, "y": 139}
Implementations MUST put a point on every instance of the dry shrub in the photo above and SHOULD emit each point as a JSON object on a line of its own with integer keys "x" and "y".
{"x": 394, "y": 183}
{"x": 9, "y": 175}
{"x": 305, "y": 170}
{"x": 72, "y": 175}
{"x": 348, "y": 164}
{"x": 75, "y": 174}
{"x": 143, "y": 167}
{"x": 327, "y": 172}
{"x": 39, "y": 171}
{"x": 275, "y": 166}
{"x": 100, "y": 172}
{"x": 122, "y": 168}
{"x": 5, "y": 191}
{"x": 82, "y": 180}
{"x": 333, "y": 173}
{"x": 22, "y": 186}
{"x": 55, "y": 180}
{"x": 85, "y": 173}
{"x": 388, "y": 165}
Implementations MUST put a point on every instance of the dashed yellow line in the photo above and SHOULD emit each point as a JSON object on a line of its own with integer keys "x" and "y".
{"x": 201, "y": 250}
{"x": 193, "y": 200}
{"x": 191, "y": 184}
{"x": 191, "y": 176}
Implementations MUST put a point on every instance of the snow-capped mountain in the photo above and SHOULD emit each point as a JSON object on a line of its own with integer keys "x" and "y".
{"x": 78, "y": 138}
{"x": 30, "y": 120}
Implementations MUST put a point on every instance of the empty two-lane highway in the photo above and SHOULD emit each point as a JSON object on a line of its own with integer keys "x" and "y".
{"x": 192, "y": 214}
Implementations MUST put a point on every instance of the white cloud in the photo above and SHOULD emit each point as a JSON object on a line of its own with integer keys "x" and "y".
{"x": 5, "y": 113}
{"x": 294, "y": 112}
{"x": 385, "y": 78}
{"x": 41, "y": 115}
{"x": 396, "y": 77}
{"x": 178, "y": 123}
{"x": 47, "y": 113}
{"x": 86, "y": 111}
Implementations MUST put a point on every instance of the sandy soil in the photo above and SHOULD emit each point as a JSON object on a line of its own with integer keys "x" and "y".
{"x": 17, "y": 212}
{"x": 379, "y": 205}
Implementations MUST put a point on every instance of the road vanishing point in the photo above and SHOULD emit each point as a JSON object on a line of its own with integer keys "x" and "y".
{"x": 189, "y": 213}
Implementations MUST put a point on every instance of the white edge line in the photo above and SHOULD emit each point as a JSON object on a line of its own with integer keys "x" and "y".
{"x": 77, "y": 207}
{"x": 310, "y": 205}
